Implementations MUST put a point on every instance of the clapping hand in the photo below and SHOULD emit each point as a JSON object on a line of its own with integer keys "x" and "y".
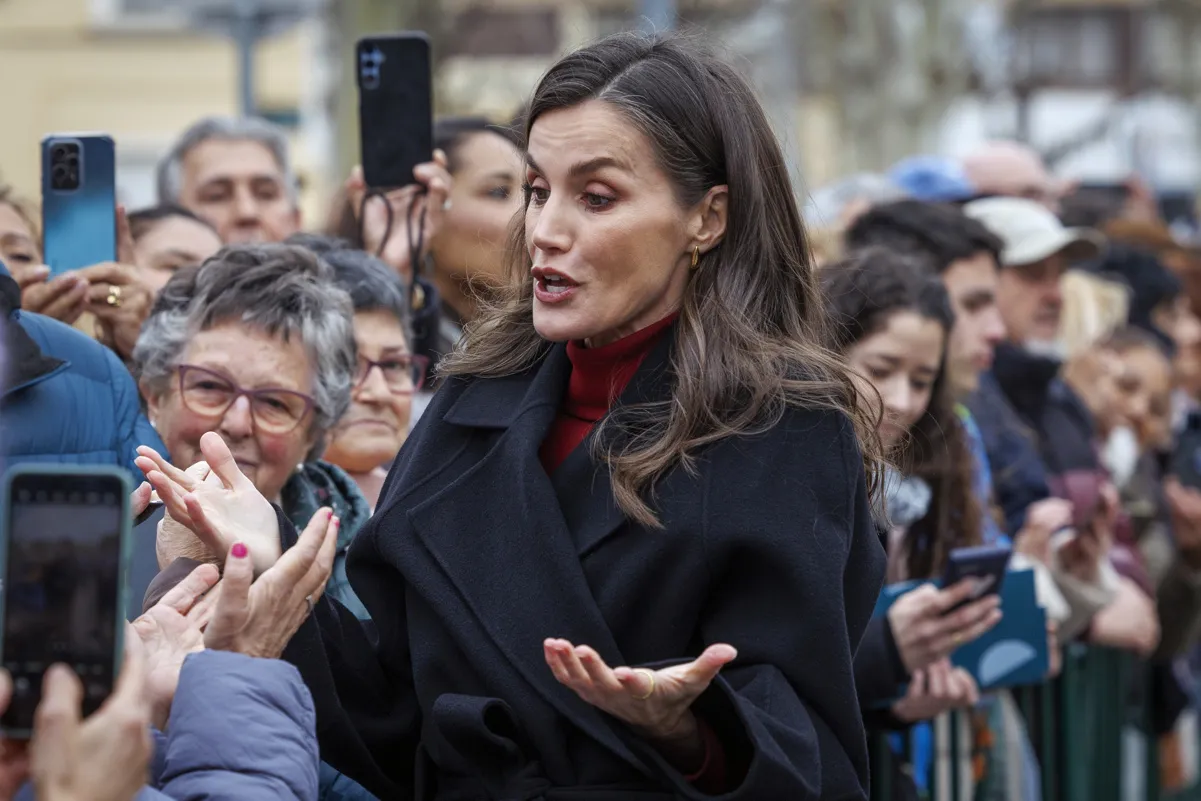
{"x": 258, "y": 617}
{"x": 220, "y": 512}
{"x": 172, "y": 629}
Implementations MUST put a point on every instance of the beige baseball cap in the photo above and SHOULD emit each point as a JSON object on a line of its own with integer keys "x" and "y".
{"x": 1031, "y": 233}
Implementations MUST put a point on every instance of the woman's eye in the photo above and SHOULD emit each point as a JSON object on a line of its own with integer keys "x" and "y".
{"x": 920, "y": 386}
{"x": 595, "y": 201}
{"x": 20, "y": 258}
{"x": 538, "y": 194}
{"x": 499, "y": 192}
{"x": 877, "y": 373}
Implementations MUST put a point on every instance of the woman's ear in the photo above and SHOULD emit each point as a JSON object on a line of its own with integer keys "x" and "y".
{"x": 710, "y": 218}
{"x": 153, "y": 401}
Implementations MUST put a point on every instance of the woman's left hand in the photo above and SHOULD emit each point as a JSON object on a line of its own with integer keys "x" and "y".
{"x": 427, "y": 194}
{"x": 116, "y": 294}
{"x": 657, "y": 703}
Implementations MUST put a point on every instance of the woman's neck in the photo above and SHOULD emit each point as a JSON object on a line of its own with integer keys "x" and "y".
{"x": 456, "y": 293}
{"x": 370, "y": 484}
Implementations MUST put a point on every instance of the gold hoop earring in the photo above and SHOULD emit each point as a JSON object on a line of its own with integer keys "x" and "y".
{"x": 696, "y": 255}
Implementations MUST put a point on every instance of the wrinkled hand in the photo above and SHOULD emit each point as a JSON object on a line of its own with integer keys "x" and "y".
{"x": 937, "y": 689}
{"x": 219, "y": 513}
{"x": 63, "y": 298}
{"x": 258, "y": 617}
{"x": 1043, "y": 519}
{"x": 1129, "y": 622}
{"x": 172, "y": 629}
{"x": 924, "y": 633}
{"x": 432, "y": 177}
{"x": 14, "y": 754}
{"x": 665, "y": 715}
{"x": 1184, "y": 504}
{"x": 104, "y": 758}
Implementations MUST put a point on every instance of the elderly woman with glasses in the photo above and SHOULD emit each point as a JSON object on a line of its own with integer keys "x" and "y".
{"x": 367, "y": 438}
{"x": 257, "y": 344}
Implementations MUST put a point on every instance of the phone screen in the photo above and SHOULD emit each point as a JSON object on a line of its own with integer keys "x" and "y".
{"x": 62, "y": 586}
{"x": 395, "y": 107}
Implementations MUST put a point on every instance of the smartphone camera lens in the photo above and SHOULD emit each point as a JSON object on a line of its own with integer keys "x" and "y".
{"x": 64, "y": 166}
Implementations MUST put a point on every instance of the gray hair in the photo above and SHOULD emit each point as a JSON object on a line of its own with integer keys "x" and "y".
{"x": 169, "y": 175}
{"x": 280, "y": 289}
{"x": 371, "y": 284}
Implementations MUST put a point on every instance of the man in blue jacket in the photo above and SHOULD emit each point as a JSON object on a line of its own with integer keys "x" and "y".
{"x": 63, "y": 396}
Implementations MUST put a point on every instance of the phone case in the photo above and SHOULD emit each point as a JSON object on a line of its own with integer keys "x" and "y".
{"x": 79, "y": 226}
{"x": 126, "y": 546}
{"x": 395, "y": 107}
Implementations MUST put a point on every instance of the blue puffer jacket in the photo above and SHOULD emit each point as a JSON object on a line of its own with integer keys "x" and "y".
{"x": 240, "y": 728}
{"x": 66, "y": 398}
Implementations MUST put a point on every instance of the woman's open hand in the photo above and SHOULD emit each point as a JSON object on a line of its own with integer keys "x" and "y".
{"x": 219, "y": 513}
{"x": 259, "y": 617}
{"x": 656, "y": 703}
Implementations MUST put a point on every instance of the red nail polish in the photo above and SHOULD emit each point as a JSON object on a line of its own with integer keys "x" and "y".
{"x": 239, "y": 550}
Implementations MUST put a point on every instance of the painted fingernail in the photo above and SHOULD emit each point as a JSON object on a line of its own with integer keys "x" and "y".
{"x": 337, "y": 522}
{"x": 239, "y": 550}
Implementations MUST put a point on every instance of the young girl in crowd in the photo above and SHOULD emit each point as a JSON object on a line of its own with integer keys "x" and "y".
{"x": 892, "y": 323}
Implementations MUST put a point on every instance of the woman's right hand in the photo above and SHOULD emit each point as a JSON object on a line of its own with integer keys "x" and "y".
{"x": 64, "y": 298}
{"x": 221, "y": 512}
{"x": 937, "y": 689}
{"x": 259, "y": 617}
{"x": 925, "y": 633}
{"x": 104, "y": 758}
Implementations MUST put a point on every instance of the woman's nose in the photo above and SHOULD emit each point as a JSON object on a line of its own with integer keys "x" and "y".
{"x": 549, "y": 230}
{"x": 238, "y": 421}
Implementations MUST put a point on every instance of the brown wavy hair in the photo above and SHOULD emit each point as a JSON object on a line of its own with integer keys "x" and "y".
{"x": 863, "y": 292}
{"x": 750, "y": 336}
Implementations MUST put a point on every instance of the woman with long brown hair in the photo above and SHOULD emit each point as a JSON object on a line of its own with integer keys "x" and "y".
{"x": 629, "y": 552}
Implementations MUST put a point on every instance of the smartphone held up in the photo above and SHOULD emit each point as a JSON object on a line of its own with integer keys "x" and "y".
{"x": 79, "y": 201}
{"x": 395, "y": 107}
{"x": 63, "y": 561}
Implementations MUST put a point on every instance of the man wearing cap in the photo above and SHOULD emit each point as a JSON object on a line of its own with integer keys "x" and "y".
{"x": 1024, "y": 385}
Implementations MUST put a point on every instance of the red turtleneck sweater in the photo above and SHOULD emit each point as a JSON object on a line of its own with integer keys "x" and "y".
{"x": 598, "y": 377}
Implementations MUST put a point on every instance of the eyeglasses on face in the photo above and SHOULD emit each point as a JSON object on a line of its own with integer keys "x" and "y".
{"x": 210, "y": 394}
{"x": 404, "y": 375}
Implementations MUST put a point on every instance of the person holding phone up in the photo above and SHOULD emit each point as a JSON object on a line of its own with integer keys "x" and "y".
{"x": 577, "y": 564}
{"x": 892, "y": 324}
{"x": 202, "y": 666}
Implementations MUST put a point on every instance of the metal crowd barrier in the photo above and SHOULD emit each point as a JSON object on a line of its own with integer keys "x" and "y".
{"x": 1090, "y": 729}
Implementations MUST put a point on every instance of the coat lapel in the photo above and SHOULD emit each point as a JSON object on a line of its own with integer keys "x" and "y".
{"x": 582, "y": 486}
{"x": 513, "y": 560}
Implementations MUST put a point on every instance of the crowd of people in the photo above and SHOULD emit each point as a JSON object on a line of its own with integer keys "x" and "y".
{"x": 592, "y": 495}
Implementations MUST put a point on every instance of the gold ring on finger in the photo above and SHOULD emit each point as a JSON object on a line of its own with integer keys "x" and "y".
{"x": 957, "y": 639}
{"x": 650, "y": 674}
{"x": 114, "y": 296}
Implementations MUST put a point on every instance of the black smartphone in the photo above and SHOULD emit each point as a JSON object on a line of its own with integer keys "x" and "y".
{"x": 986, "y": 564}
{"x": 1186, "y": 457}
{"x": 63, "y": 562}
{"x": 396, "y": 107}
